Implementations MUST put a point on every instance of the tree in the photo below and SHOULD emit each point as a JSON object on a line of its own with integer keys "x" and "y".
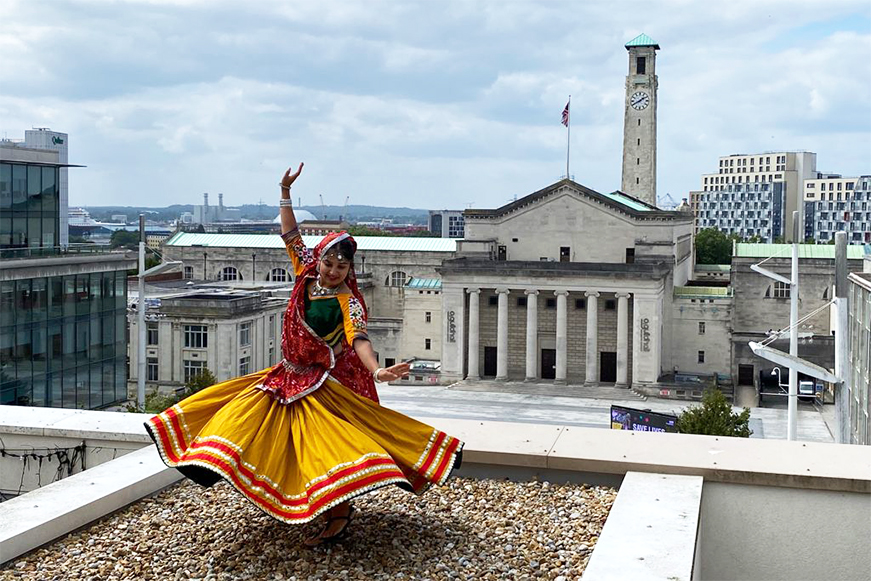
{"x": 199, "y": 382}
{"x": 124, "y": 238}
{"x": 713, "y": 247}
{"x": 155, "y": 402}
{"x": 714, "y": 418}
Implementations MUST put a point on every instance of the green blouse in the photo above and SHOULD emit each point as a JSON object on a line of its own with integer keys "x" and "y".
{"x": 324, "y": 316}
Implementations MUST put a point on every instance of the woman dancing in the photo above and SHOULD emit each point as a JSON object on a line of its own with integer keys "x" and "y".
{"x": 304, "y": 437}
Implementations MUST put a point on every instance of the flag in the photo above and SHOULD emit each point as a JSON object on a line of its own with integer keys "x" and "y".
{"x": 566, "y": 114}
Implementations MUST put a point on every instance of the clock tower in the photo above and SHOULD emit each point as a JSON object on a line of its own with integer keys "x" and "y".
{"x": 639, "y": 120}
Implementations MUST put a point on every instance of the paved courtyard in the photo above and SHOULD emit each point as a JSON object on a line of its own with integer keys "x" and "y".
{"x": 574, "y": 405}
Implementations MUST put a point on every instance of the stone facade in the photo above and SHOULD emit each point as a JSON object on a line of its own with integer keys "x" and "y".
{"x": 553, "y": 301}
{"x": 762, "y": 305}
{"x": 639, "y": 121}
{"x": 242, "y": 330}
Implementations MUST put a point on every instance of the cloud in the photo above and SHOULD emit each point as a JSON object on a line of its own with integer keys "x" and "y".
{"x": 423, "y": 104}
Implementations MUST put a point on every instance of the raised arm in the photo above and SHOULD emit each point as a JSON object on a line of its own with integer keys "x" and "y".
{"x": 285, "y": 210}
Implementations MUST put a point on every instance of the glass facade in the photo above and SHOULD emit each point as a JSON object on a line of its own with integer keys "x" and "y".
{"x": 63, "y": 340}
{"x": 29, "y": 206}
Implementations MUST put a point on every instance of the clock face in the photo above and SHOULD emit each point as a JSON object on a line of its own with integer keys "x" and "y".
{"x": 639, "y": 100}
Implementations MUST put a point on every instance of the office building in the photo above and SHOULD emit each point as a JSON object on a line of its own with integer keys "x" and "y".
{"x": 62, "y": 308}
{"x": 447, "y": 223}
{"x": 833, "y": 203}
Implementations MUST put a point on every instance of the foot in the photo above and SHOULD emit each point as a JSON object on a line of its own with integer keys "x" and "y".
{"x": 338, "y": 519}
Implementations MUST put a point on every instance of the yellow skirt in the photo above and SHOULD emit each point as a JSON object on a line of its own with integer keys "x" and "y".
{"x": 298, "y": 460}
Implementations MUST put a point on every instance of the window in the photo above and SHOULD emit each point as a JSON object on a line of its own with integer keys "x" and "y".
{"x": 580, "y": 304}
{"x": 245, "y": 334}
{"x": 610, "y": 305}
{"x": 637, "y": 181}
{"x": 427, "y": 317}
{"x": 193, "y": 368}
{"x": 389, "y": 362}
{"x": 396, "y": 278}
{"x": 272, "y": 326}
{"x": 196, "y": 337}
{"x": 493, "y": 301}
{"x": 427, "y": 344}
{"x": 271, "y": 360}
{"x": 640, "y": 65}
{"x": 565, "y": 254}
{"x": 278, "y": 275}
{"x": 701, "y": 356}
{"x": 188, "y": 272}
{"x": 630, "y": 255}
{"x": 781, "y": 290}
{"x": 550, "y": 303}
{"x": 701, "y": 328}
{"x": 245, "y": 365}
{"x": 151, "y": 333}
{"x": 151, "y": 369}
{"x": 229, "y": 273}
{"x": 521, "y": 301}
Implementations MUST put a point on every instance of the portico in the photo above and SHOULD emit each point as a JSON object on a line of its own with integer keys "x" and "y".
{"x": 588, "y": 311}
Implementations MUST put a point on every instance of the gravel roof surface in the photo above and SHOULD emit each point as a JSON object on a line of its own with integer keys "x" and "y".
{"x": 470, "y": 529}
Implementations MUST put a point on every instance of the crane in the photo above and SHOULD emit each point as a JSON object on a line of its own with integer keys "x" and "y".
{"x": 344, "y": 215}
{"x": 323, "y": 208}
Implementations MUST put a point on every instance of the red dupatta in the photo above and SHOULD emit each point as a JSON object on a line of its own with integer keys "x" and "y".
{"x": 308, "y": 360}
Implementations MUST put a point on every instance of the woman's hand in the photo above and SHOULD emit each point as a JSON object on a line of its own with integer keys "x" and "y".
{"x": 394, "y": 372}
{"x": 289, "y": 178}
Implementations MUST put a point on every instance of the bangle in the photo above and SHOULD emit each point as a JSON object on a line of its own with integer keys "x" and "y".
{"x": 283, "y": 187}
{"x": 375, "y": 374}
{"x": 285, "y": 203}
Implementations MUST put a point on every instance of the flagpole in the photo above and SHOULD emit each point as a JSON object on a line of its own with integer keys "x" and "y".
{"x": 569, "y": 137}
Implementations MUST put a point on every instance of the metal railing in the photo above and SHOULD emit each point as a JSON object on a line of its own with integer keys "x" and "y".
{"x": 55, "y": 251}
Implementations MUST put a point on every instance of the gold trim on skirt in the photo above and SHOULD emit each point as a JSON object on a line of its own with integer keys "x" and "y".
{"x": 297, "y": 460}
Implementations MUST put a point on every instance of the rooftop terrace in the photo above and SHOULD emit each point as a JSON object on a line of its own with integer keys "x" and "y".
{"x": 688, "y": 507}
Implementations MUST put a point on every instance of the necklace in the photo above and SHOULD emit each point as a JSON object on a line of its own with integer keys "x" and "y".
{"x": 323, "y": 291}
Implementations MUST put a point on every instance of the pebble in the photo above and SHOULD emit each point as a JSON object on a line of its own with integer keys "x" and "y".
{"x": 469, "y": 529}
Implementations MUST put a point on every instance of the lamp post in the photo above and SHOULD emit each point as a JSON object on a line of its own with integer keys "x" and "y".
{"x": 776, "y": 371}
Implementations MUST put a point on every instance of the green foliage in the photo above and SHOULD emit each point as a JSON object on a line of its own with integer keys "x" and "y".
{"x": 124, "y": 238}
{"x": 156, "y": 402}
{"x": 779, "y": 240}
{"x": 367, "y": 231}
{"x": 714, "y": 418}
{"x": 713, "y": 247}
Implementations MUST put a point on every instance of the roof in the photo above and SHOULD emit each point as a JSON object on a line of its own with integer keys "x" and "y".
{"x": 616, "y": 200}
{"x": 713, "y": 267}
{"x": 703, "y": 291}
{"x": 424, "y": 284}
{"x": 364, "y": 243}
{"x": 631, "y": 202}
{"x": 642, "y": 40}
{"x": 824, "y": 251}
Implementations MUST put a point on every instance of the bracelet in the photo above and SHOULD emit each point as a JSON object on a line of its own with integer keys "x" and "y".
{"x": 375, "y": 374}
{"x": 283, "y": 187}
{"x": 285, "y": 203}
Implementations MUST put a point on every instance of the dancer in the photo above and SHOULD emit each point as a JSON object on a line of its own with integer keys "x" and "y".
{"x": 304, "y": 437}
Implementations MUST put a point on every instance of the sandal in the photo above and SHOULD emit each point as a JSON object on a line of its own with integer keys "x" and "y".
{"x": 321, "y": 540}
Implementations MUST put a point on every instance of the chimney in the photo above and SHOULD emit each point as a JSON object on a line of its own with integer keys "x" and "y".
{"x": 206, "y": 199}
{"x": 221, "y": 201}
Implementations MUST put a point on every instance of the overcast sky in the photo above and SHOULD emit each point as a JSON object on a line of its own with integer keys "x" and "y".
{"x": 430, "y": 104}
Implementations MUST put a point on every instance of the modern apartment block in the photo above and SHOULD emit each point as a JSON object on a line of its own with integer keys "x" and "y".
{"x": 833, "y": 203}
{"x": 754, "y": 195}
{"x": 63, "y": 308}
{"x": 447, "y": 223}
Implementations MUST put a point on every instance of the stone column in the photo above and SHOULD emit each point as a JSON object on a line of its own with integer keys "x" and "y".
{"x": 562, "y": 343}
{"x": 592, "y": 337}
{"x": 622, "y": 339}
{"x": 474, "y": 327}
{"x": 531, "y": 335}
{"x": 502, "y": 335}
